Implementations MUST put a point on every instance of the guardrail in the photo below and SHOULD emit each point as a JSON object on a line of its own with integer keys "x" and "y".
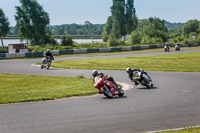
{"x": 90, "y": 50}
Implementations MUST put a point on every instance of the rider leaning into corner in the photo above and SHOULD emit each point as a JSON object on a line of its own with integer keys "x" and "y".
{"x": 48, "y": 53}
{"x": 130, "y": 74}
{"x": 95, "y": 73}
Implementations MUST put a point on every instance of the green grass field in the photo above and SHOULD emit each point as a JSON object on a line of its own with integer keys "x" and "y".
{"x": 183, "y": 62}
{"x": 24, "y": 88}
{"x": 186, "y": 130}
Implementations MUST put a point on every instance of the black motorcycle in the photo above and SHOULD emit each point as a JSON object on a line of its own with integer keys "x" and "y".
{"x": 142, "y": 78}
{"x": 46, "y": 63}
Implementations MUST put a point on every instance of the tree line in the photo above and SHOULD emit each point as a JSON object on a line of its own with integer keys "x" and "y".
{"x": 86, "y": 29}
{"x": 122, "y": 27}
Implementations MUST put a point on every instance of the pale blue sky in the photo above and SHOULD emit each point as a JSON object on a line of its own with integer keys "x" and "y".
{"x": 97, "y": 11}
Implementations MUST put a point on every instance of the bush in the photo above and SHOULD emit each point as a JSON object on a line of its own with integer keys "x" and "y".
{"x": 157, "y": 40}
{"x": 3, "y": 49}
{"x": 135, "y": 37}
{"x": 92, "y": 45}
{"x": 66, "y": 41}
{"x": 116, "y": 42}
{"x": 146, "y": 40}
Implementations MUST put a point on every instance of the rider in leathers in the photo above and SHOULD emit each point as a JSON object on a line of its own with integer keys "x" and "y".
{"x": 48, "y": 53}
{"x": 130, "y": 74}
{"x": 95, "y": 73}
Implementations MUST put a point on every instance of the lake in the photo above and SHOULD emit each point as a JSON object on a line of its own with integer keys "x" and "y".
{"x": 13, "y": 41}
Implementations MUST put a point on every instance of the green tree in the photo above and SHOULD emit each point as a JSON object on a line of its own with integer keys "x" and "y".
{"x": 32, "y": 21}
{"x": 107, "y": 29}
{"x": 122, "y": 22}
{"x": 152, "y": 30}
{"x": 130, "y": 16}
{"x": 118, "y": 14}
{"x": 4, "y": 26}
{"x": 191, "y": 26}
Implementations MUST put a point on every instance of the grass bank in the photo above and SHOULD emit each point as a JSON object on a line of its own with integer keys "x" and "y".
{"x": 24, "y": 88}
{"x": 183, "y": 62}
{"x": 186, "y": 130}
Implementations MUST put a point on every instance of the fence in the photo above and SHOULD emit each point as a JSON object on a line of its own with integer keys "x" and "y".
{"x": 90, "y": 50}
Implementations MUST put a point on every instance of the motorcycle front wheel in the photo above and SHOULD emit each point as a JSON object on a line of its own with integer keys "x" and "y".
{"x": 47, "y": 65}
{"x": 121, "y": 92}
{"x": 41, "y": 66}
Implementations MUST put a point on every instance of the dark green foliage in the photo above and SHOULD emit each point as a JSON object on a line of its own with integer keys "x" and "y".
{"x": 3, "y": 49}
{"x": 32, "y": 21}
{"x": 135, "y": 37}
{"x": 131, "y": 19}
{"x": 88, "y": 29}
{"x": 116, "y": 42}
{"x": 4, "y": 26}
{"x": 122, "y": 22}
{"x": 118, "y": 10}
{"x": 67, "y": 41}
{"x": 150, "y": 31}
{"x": 191, "y": 26}
{"x": 173, "y": 25}
{"x": 107, "y": 29}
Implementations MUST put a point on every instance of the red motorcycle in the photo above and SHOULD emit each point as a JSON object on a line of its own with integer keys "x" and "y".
{"x": 107, "y": 87}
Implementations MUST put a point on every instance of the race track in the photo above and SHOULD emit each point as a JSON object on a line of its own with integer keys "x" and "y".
{"x": 174, "y": 102}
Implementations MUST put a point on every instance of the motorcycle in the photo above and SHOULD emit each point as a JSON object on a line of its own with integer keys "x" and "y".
{"x": 177, "y": 48}
{"x": 143, "y": 79}
{"x": 107, "y": 87}
{"x": 167, "y": 48}
{"x": 46, "y": 63}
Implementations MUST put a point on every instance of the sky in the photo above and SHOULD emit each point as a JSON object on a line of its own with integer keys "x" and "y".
{"x": 97, "y": 11}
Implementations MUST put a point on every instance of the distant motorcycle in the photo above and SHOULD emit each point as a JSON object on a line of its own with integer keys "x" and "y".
{"x": 177, "y": 48}
{"x": 167, "y": 48}
{"x": 142, "y": 78}
{"x": 46, "y": 63}
{"x": 107, "y": 87}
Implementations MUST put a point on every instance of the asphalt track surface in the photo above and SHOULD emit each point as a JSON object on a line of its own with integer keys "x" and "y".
{"x": 174, "y": 102}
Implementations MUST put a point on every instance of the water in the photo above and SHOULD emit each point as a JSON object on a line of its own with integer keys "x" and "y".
{"x": 14, "y": 41}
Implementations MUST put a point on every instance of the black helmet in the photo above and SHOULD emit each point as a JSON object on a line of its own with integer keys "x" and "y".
{"x": 128, "y": 70}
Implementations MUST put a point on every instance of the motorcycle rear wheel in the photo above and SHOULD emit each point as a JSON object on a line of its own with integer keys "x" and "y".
{"x": 47, "y": 65}
{"x": 107, "y": 93}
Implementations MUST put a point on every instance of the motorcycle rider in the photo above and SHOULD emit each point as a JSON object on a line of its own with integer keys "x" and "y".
{"x": 167, "y": 47}
{"x": 95, "y": 73}
{"x": 48, "y": 53}
{"x": 130, "y": 73}
{"x": 177, "y": 47}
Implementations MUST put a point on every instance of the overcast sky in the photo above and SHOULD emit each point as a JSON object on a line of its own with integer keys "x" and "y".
{"x": 97, "y": 11}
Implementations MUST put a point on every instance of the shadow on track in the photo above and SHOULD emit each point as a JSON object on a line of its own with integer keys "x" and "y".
{"x": 145, "y": 88}
{"x": 115, "y": 97}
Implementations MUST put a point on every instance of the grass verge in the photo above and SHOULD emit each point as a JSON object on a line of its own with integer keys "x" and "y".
{"x": 183, "y": 62}
{"x": 24, "y": 88}
{"x": 186, "y": 130}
